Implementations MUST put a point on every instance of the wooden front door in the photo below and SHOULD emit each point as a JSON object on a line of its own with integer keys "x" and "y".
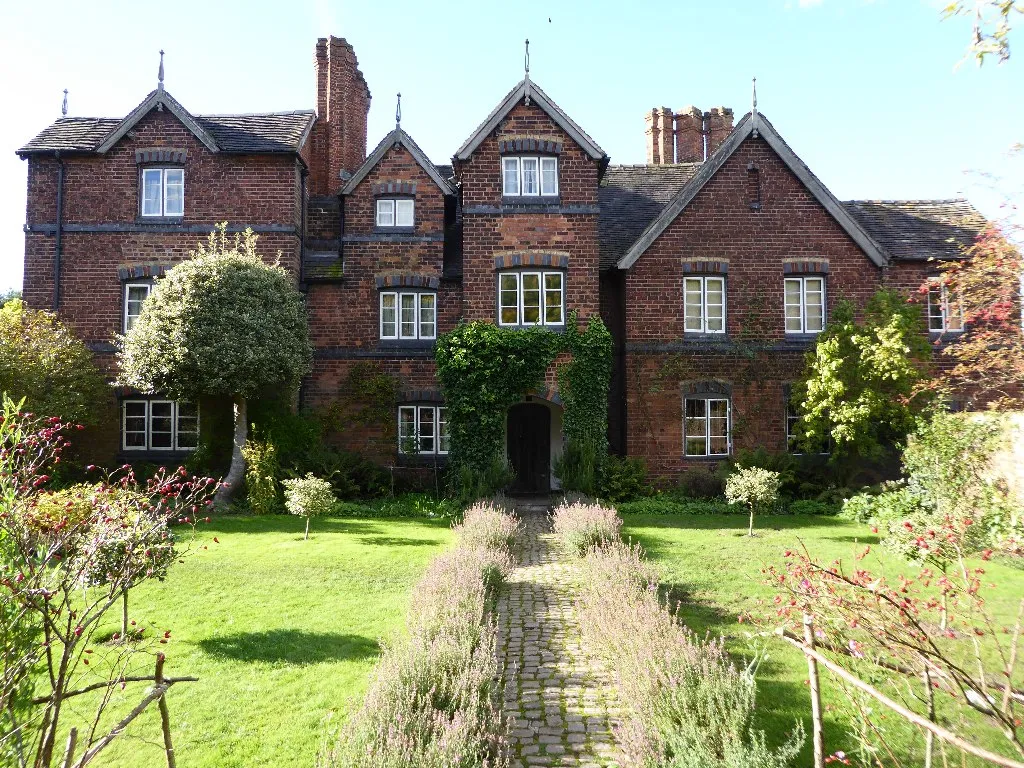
{"x": 529, "y": 447}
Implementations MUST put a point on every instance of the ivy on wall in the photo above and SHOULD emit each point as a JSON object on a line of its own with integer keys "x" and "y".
{"x": 485, "y": 369}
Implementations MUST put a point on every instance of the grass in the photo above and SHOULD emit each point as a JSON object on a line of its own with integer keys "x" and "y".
{"x": 711, "y": 565}
{"x": 281, "y": 633}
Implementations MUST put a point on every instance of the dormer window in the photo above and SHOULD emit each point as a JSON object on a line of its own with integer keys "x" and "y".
{"x": 395, "y": 212}
{"x": 163, "y": 192}
{"x": 529, "y": 176}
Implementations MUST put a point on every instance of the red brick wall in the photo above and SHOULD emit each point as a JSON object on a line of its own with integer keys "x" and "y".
{"x": 487, "y": 235}
{"x": 720, "y": 225}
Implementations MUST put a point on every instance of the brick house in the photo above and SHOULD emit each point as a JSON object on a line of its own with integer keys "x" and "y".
{"x": 714, "y": 264}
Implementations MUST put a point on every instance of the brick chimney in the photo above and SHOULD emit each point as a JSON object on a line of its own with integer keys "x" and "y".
{"x": 718, "y": 125}
{"x": 689, "y": 136}
{"x": 342, "y": 104}
{"x": 660, "y": 137}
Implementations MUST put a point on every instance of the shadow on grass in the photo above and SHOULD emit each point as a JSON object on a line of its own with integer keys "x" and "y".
{"x": 291, "y": 646}
{"x": 732, "y": 522}
{"x": 292, "y": 524}
{"x": 396, "y": 541}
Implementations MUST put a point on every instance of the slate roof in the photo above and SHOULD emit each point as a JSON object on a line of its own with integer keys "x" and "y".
{"x": 252, "y": 133}
{"x": 631, "y": 196}
{"x": 919, "y": 229}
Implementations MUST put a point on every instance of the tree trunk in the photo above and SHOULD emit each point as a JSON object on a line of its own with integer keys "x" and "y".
{"x": 235, "y": 474}
{"x": 750, "y": 528}
{"x": 124, "y": 616}
{"x": 306, "y": 537}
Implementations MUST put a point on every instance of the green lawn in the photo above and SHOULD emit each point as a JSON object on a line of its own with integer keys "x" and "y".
{"x": 281, "y": 633}
{"x": 715, "y": 569}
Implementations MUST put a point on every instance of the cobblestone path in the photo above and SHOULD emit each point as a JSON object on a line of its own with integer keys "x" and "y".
{"x": 558, "y": 698}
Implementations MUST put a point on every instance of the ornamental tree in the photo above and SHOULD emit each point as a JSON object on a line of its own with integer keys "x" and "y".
{"x": 308, "y": 497}
{"x": 754, "y": 487}
{"x": 224, "y": 323}
{"x": 860, "y": 381}
{"x": 44, "y": 362}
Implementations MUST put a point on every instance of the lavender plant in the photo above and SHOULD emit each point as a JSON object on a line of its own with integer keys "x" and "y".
{"x": 582, "y": 526}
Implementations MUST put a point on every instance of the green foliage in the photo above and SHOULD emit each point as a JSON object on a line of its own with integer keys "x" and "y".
{"x": 262, "y": 474}
{"x": 752, "y": 486}
{"x": 860, "y": 378}
{"x": 367, "y": 397}
{"x": 411, "y": 505}
{"x": 308, "y": 497}
{"x": 485, "y": 369}
{"x": 221, "y": 323}
{"x": 42, "y": 361}
{"x": 664, "y": 504}
{"x": 701, "y": 483}
{"x": 13, "y": 294}
{"x": 812, "y": 507}
{"x": 623, "y": 478}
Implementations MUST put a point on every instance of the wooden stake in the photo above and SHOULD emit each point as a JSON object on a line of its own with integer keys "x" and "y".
{"x": 165, "y": 715}
{"x": 812, "y": 673}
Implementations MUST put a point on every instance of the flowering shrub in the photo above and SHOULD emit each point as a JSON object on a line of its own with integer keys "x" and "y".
{"x": 582, "y": 526}
{"x": 754, "y": 487}
{"x": 262, "y": 470}
{"x": 431, "y": 702}
{"x": 485, "y": 525}
{"x": 308, "y": 497}
{"x": 684, "y": 704}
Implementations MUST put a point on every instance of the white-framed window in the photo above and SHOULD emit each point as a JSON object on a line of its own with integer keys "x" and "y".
{"x": 945, "y": 314}
{"x": 163, "y": 192}
{"x": 805, "y": 304}
{"x": 704, "y": 304}
{"x": 423, "y": 429}
{"x": 531, "y": 298}
{"x": 159, "y": 425}
{"x": 529, "y": 176}
{"x": 706, "y": 425}
{"x": 408, "y": 315}
{"x": 396, "y": 212}
{"x": 135, "y": 294}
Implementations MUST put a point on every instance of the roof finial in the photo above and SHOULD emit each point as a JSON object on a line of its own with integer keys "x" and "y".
{"x": 398, "y": 113}
{"x": 64, "y": 106}
{"x": 160, "y": 73}
{"x": 753, "y": 110}
{"x": 526, "y": 64}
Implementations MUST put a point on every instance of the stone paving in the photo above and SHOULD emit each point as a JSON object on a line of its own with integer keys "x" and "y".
{"x": 558, "y": 697}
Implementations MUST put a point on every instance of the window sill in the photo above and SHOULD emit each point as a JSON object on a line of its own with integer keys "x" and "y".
{"x": 802, "y": 338}
{"x": 391, "y": 344}
{"x": 164, "y": 220}
{"x": 722, "y": 457}
{"x": 421, "y": 460}
{"x": 378, "y": 230}
{"x": 531, "y": 200}
{"x": 162, "y": 458}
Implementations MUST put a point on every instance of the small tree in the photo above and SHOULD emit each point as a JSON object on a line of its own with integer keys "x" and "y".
{"x": 223, "y": 323}
{"x": 754, "y": 487}
{"x": 42, "y": 361}
{"x": 308, "y": 497}
{"x": 860, "y": 380}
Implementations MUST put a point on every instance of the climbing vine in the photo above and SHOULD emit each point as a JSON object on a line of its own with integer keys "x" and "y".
{"x": 484, "y": 370}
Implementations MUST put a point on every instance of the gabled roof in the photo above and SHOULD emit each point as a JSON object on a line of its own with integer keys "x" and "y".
{"x": 631, "y": 196}
{"x": 542, "y": 100}
{"x": 157, "y": 98}
{"x": 850, "y": 224}
{"x": 251, "y": 133}
{"x": 398, "y": 136}
{"x": 920, "y": 229}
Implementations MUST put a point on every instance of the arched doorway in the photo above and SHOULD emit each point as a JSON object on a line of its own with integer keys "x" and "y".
{"x": 529, "y": 447}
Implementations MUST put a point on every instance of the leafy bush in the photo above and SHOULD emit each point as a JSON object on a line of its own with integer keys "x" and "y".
{"x": 582, "y": 526}
{"x": 470, "y": 484}
{"x": 431, "y": 701}
{"x": 812, "y": 507}
{"x": 408, "y": 505}
{"x": 44, "y": 362}
{"x": 692, "y": 708}
{"x": 308, "y": 497}
{"x": 623, "y": 478}
{"x": 701, "y": 483}
{"x": 579, "y": 466}
{"x": 786, "y": 465}
{"x": 753, "y": 486}
{"x": 665, "y": 504}
{"x": 262, "y": 474}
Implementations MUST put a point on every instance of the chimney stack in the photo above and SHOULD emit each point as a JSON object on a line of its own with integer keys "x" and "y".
{"x": 338, "y": 141}
{"x": 717, "y": 126}
{"x": 690, "y": 135}
{"x": 660, "y": 137}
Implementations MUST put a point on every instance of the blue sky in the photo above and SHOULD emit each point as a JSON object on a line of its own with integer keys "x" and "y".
{"x": 868, "y": 93}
